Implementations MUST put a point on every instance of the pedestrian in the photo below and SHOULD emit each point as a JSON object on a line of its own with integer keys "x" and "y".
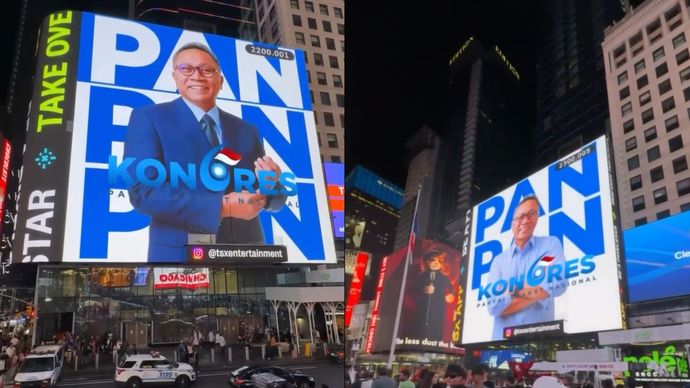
{"x": 383, "y": 379}
{"x": 182, "y": 351}
{"x": 220, "y": 341}
{"x": 405, "y": 379}
{"x": 211, "y": 338}
{"x": 479, "y": 377}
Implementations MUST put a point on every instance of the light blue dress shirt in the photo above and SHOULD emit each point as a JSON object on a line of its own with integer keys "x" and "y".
{"x": 514, "y": 262}
{"x": 213, "y": 113}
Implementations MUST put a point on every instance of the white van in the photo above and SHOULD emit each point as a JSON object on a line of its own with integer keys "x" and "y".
{"x": 41, "y": 368}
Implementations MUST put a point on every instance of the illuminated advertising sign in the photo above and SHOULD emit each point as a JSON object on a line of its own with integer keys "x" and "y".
{"x": 335, "y": 184}
{"x": 657, "y": 257}
{"x": 355, "y": 290}
{"x": 5, "y": 155}
{"x": 187, "y": 278}
{"x": 543, "y": 244}
{"x": 430, "y": 298}
{"x": 667, "y": 364}
{"x": 135, "y": 146}
{"x": 371, "y": 332}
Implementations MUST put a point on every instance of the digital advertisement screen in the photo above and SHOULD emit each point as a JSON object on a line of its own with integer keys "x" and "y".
{"x": 657, "y": 257}
{"x": 335, "y": 185}
{"x": 5, "y": 158}
{"x": 545, "y": 250}
{"x": 429, "y": 303}
{"x": 185, "y": 278}
{"x": 134, "y": 148}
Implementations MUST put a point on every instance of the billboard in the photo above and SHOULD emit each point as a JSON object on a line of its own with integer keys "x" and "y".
{"x": 429, "y": 302}
{"x": 186, "y": 278}
{"x": 335, "y": 185}
{"x": 5, "y": 155}
{"x": 118, "y": 167}
{"x": 355, "y": 290}
{"x": 542, "y": 255}
{"x": 657, "y": 257}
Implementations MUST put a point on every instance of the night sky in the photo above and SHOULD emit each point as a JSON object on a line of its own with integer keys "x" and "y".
{"x": 397, "y": 68}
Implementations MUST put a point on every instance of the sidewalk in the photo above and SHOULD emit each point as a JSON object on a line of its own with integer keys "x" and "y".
{"x": 106, "y": 365}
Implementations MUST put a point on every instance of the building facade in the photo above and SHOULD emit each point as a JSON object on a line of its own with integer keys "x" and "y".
{"x": 647, "y": 77}
{"x": 318, "y": 28}
{"x": 572, "y": 107}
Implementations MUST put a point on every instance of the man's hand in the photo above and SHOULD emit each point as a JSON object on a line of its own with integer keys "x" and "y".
{"x": 429, "y": 289}
{"x": 267, "y": 164}
{"x": 450, "y": 298}
{"x": 533, "y": 293}
{"x": 244, "y": 205}
{"x": 524, "y": 298}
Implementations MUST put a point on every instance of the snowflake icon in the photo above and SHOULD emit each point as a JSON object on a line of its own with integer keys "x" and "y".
{"x": 45, "y": 158}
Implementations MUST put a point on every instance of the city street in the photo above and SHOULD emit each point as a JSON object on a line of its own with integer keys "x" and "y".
{"x": 324, "y": 372}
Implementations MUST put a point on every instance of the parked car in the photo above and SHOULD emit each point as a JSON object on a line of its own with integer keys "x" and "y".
{"x": 336, "y": 353}
{"x": 143, "y": 369}
{"x": 242, "y": 377}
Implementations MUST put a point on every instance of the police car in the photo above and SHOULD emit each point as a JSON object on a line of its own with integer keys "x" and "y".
{"x": 148, "y": 369}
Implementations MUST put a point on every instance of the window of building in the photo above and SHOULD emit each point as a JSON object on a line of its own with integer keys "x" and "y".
{"x": 633, "y": 163}
{"x": 640, "y": 221}
{"x": 330, "y": 43}
{"x": 682, "y": 57}
{"x": 686, "y": 93}
{"x": 316, "y": 116}
{"x": 658, "y": 53}
{"x": 664, "y": 87}
{"x": 660, "y": 196}
{"x": 328, "y": 119}
{"x": 675, "y": 144}
{"x": 638, "y": 203}
{"x": 680, "y": 164}
{"x": 311, "y": 22}
{"x": 642, "y": 82}
{"x": 321, "y": 78}
{"x": 315, "y": 41}
{"x": 647, "y": 116}
{"x": 341, "y": 29}
{"x": 294, "y": 4}
{"x": 333, "y": 61}
{"x": 631, "y": 144}
{"x": 636, "y": 182}
{"x": 337, "y": 81}
{"x": 685, "y": 74}
{"x": 628, "y": 126}
{"x": 650, "y": 134}
{"x": 645, "y": 98}
{"x": 622, "y": 77}
{"x": 318, "y": 136}
{"x": 318, "y": 59}
{"x": 332, "y": 140}
{"x": 309, "y": 6}
{"x": 338, "y": 12}
{"x": 673, "y": 17}
{"x": 323, "y": 8}
{"x": 639, "y": 66}
{"x": 656, "y": 174}
{"x": 327, "y": 26}
{"x": 663, "y": 214}
{"x": 683, "y": 187}
{"x": 311, "y": 94}
{"x": 340, "y": 100}
{"x": 653, "y": 154}
{"x": 342, "y": 120}
{"x": 335, "y": 159}
{"x": 668, "y": 104}
{"x": 299, "y": 37}
{"x": 624, "y": 93}
{"x": 654, "y": 31}
{"x": 626, "y": 109}
{"x": 661, "y": 70}
{"x": 297, "y": 20}
{"x": 325, "y": 98}
{"x": 671, "y": 123}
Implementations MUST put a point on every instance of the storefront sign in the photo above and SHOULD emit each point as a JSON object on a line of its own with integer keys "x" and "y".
{"x": 245, "y": 254}
{"x": 535, "y": 330}
{"x": 166, "y": 278}
{"x": 665, "y": 364}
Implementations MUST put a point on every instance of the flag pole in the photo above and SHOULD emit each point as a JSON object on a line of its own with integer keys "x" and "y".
{"x": 408, "y": 262}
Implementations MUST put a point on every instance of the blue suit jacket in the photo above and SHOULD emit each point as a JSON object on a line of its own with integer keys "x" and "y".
{"x": 169, "y": 132}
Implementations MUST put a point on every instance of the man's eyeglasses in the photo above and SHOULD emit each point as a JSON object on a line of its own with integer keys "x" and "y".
{"x": 530, "y": 215}
{"x": 205, "y": 71}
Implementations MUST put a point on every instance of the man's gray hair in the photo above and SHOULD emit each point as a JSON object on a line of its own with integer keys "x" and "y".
{"x": 197, "y": 46}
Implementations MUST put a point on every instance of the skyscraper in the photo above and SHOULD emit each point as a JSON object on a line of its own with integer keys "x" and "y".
{"x": 318, "y": 28}
{"x": 648, "y": 80}
{"x": 571, "y": 92}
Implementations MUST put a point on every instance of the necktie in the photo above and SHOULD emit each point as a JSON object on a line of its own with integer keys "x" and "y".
{"x": 209, "y": 128}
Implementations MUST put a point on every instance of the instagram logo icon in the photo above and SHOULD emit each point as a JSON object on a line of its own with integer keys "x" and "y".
{"x": 198, "y": 253}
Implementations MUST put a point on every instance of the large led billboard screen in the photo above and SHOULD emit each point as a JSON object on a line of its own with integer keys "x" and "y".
{"x": 542, "y": 255}
{"x": 335, "y": 184}
{"x": 657, "y": 258}
{"x": 429, "y": 303}
{"x": 132, "y": 150}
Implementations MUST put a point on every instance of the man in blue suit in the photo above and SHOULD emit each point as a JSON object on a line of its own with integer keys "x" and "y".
{"x": 183, "y": 131}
